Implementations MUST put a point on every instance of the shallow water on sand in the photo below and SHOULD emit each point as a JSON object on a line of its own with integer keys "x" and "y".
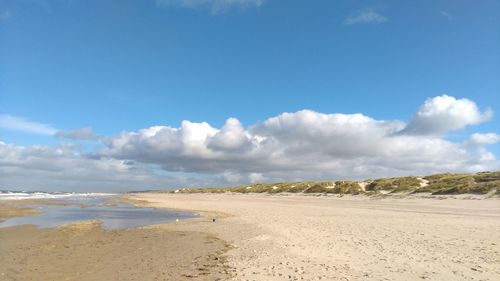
{"x": 113, "y": 215}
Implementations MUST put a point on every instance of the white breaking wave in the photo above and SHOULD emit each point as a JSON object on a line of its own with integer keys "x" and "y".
{"x": 19, "y": 195}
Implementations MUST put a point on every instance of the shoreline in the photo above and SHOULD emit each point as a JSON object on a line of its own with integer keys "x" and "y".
{"x": 276, "y": 237}
{"x": 205, "y": 215}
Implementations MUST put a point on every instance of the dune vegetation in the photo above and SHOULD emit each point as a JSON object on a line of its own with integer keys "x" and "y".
{"x": 438, "y": 184}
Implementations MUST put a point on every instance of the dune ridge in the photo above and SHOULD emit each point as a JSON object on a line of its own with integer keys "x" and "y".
{"x": 483, "y": 183}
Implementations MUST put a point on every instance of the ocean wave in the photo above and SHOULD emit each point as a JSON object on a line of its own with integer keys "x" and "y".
{"x": 19, "y": 195}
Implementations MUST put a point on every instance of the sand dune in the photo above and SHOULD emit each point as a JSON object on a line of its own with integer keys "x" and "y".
{"x": 278, "y": 237}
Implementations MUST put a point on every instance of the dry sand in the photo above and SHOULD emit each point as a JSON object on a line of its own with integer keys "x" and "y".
{"x": 277, "y": 237}
{"x": 84, "y": 251}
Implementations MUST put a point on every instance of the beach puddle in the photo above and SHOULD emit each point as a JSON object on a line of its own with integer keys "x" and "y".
{"x": 112, "y": 214}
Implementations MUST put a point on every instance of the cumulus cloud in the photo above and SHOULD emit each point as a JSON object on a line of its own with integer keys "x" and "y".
{"x": 78, "y": 134}
{"x": 231, "y": 137}
{"x": 303, "y": 145}
{"x": 478, "y": 139}
{"x": 299, "y": 145}
{"x": 444, "y": 113}
{"x": 365, "y": 17}
{"x": 15, "y": 123}
{"x": 215, "y": 6}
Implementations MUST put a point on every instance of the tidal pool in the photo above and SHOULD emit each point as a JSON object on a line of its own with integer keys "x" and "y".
{"x": 113, "y": 215}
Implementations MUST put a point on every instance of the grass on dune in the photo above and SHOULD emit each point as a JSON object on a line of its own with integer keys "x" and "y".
{"x": 394, "y": 184}
{"x": 438, "y": 184}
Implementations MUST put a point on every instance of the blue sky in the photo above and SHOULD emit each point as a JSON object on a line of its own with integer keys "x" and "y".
{"x": 128, "y": 65}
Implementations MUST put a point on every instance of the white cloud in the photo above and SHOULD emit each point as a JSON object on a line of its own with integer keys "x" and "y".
{"x": 14, "y": 123}
{"x": 300, "y": 145}
{"x": 65, "y": 168}
{"x": 364, "y": 17}
{"x": 231, "y": 137}
{"x": 444, "y": 113}
{"x": 255, "y": 177}
{"x": 215, "y": 6}
{"x": 479, "y": 139}
{"x": 78, "y": 134}
{"x": 303, "y": 145}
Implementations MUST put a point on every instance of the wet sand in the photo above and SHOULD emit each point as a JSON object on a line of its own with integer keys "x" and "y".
{"x": 9, "y": 210}
{"x": 277, "y": 237}
{"x": 84, "y": 251}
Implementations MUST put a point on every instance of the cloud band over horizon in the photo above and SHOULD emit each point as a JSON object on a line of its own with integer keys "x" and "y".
{"x": 303, "y": 145}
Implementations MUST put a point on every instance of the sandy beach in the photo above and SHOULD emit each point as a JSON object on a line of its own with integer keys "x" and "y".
{"x": 277, "y": 237}
{"x": 85, "y": 251}
{"x": 267, "y": 237}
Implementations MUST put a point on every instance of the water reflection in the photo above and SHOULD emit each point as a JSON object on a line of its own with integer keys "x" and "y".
{"x": 112, "y": 215}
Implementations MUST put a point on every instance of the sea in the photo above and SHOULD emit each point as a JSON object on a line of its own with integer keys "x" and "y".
{"x": 19, "y": 195}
